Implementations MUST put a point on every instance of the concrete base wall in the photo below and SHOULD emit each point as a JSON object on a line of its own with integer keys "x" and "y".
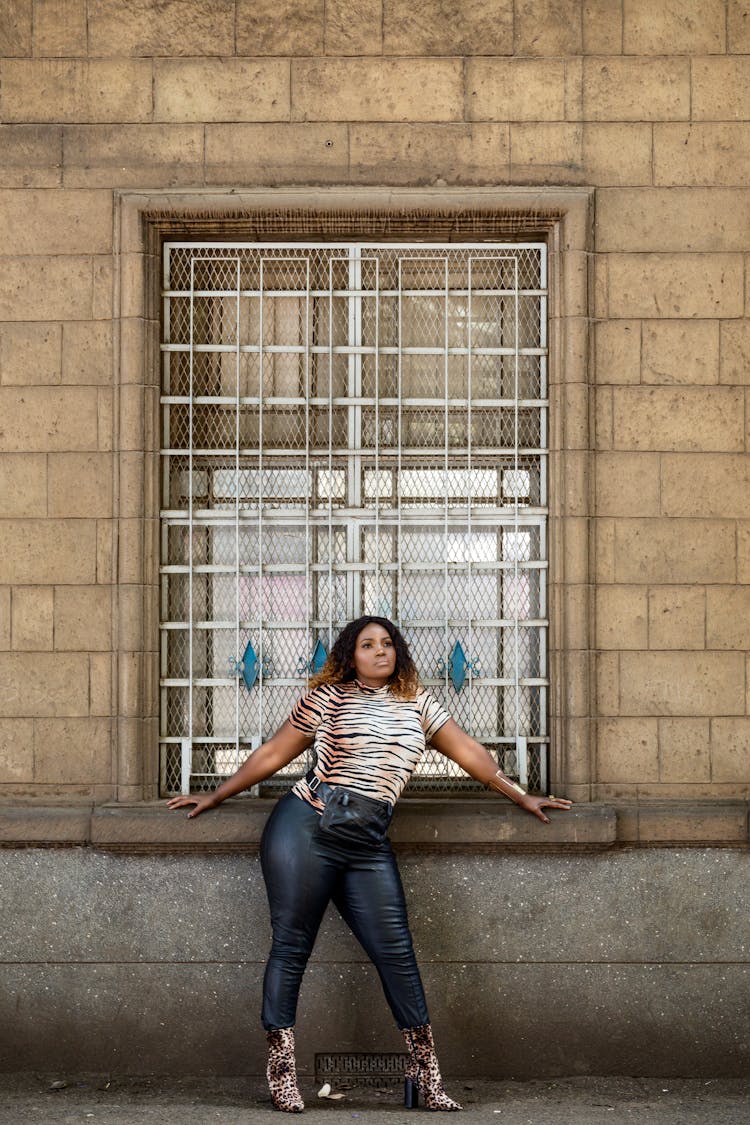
{"x": 626, "y": 962}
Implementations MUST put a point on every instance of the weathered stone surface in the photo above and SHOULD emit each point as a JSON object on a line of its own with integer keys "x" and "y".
{"x": 618, "y": 351}
{"x": 72, "y": 750}
{"x": 59, "y": 90}
{"x": 675, "y": 285}
{"x": 16, "y": 750}
{"x": 100, "y": 683}
{"x": 42, "y": 684}
{"x": 221, "y": 90}
{"x": 607, "y": 683}
{"x": 715, "y": 154}
{"x": 60, "y": 28}
{"x": 5, "y": 592}
{"x": 602, "y": 27}
{"x": 710, "y": 485}
{"x": 171, "y": 27}
{"x": 672, "y": 219}
{"x": 727, "y": 617}
{"x": 285, "y": 153}
{"x": 680, "y": 351}
{"x": 684, "y": 751}
{"x": 547, "y": 27}
{"x": 456, "y": 153}
{"x": 278, "y": 27}
{"x": 633, "y": 89}
{"x": 46, "y": 289}
{"x": 668, "y": 550}
{"x": 353, "y": 27}
{"x": 627, "y": 750}
{"x": 700, "y": 419}
{"x": 32, "y": 156}
{"x": 546, "y": 153}
{"x": 47, "y": 550}
{"x": 47, "y": 418}
{"x": 627, "y": 484}
{"x": 720, "y": 89}
{"x": 87, "y": 352}
{"x": 677, "y": 617}
{"x": 377, "y": 90}
{"x": 682, "y": 683}
{"x": 735, "y": 352}
{"x": 674, "y": 27}
{"x": 133, "y": 155}
{"x": 15, "y": 28}
{"x": 621, "y": 617}
{"x": 440, "y": 27}
{"x": 80, "y": 485}
{"x": 83, "y": 618}
{"x": 32, "y": 619}
{"x": 30, "y": 353}
{"x": 65, "y": 222}
{"x": 738, "y": 27}
{"x": 515, "y": 89}
{"x": 617, "y": 153}
{"x": 730, "y": 748}
{"x": 603, "y": 420}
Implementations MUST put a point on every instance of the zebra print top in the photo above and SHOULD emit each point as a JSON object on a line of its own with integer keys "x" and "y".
{"x": 365, "y": 738}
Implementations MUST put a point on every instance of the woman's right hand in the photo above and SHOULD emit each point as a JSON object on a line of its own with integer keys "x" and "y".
{"x": 206, "y": 801}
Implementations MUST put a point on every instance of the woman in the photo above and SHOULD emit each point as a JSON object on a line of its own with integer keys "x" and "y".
{"x": 369, "y": 720}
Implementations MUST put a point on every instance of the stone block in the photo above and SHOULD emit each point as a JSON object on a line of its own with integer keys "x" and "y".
{"x": 677, "y": 617}
{"x": 30, "y": 353}
{"x": 60, "y": 90}
{"x": 743, "y": 552}
{"x": 291, "y": 27}
{"x": 734, "y": 366}
{"x": 80, "y": 485}
{"x": 100, "y": 683}
{"x": 65, "y": 222}
{"x": 672, "y": 219}
{"x": 721, "y": 89}
{"x": 515, "y": 89}
{"x": 47, "y": 418}
{"x": 171, "y": 27}
{"x": 460, "y": 154}
{"x": 105, "y": 418}
{"x": 602, "y": 27}
{"x": 730, "y": 749}
{"x": 684, "y": 750}
{"x": 16, "y": 750}
{"x": 43, "y": 684}
{"x": 674, "y": 27}
{"x": 546, "y": 153}
{"x": 23, "y": 485}
{"x": 668, "y": 550}
{"x": 15, "y": 28}
{"x": 87, "y": 352}
{"x": 713, "y": 154}
{"x": 105, "y": 551}
{"x": 221, "y": 90}
{"x": 604, "y": 550}
{"x": 615, "y": 153}
{"x": 440, "y": 27}
{"x": 547, "y": 27}
{"x": 627, "y": 484}
{"x": 713, "y": 485}
{"x": 284, "y": 153}
{"x": 617, "y": 352}
{"x": 633, "y": 89}
{"x": 48, "y": 551}
{"x": 621, "y": 617}
{"x": 682, "y": 683}
{"x": 32, "y": 618}
{"x": 32, "y": 156}
{"x": 680, "y": 351}
{"x": 354, "y": 27}
{"x": 377, "y": 90}
{"x": 60, "y": 28}
{"x": 575, "y": 549}
{"x": 139, "y": 156}
{"x": 103, "y": 284}
{"x": 727, "y": 617}
{"x": 675, "y": 286}
{"x": 738, "y": 27}
{"x": 700, "y": 419}
{"x": 83, "y": 618}
{"x": 4, "y": 618}
{"x": 607, "y": 683}
{"x": 46, "y": 289}
{"x": 70, "y": 751}
{"x": 627, "y": 750}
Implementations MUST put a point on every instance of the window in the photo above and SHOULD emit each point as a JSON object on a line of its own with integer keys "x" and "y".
{"x": 352, "y": 429}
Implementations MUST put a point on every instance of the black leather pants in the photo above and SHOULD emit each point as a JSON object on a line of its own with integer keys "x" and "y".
{"x": 304, "y": 870}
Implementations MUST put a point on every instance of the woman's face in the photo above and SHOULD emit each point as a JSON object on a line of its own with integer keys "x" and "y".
{"x": 374, "y": 656}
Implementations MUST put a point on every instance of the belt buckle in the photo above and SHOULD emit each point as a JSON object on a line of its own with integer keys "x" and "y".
{"x": 314, "y": 784}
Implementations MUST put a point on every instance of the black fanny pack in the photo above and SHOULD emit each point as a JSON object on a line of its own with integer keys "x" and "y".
{"x": 350, "y": 815}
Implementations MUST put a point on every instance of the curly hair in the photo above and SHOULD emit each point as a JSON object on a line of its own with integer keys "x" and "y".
{"x": 339, "y": 667}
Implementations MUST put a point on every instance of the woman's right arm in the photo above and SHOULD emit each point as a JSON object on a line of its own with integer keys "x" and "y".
{"x": 279, "y": 751}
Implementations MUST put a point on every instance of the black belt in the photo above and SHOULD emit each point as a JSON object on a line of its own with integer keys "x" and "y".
{"x": 324, "y": 791}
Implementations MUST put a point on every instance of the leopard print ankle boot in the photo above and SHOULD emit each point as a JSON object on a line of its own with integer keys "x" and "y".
{"x": 423, "y": 1072}
{"x": 282, "y": 1071}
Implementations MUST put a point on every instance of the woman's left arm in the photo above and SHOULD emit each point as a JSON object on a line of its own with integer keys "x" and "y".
{"x": 472, "y": 757}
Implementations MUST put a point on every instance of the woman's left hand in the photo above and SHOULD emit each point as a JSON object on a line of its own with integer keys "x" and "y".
{"x": 535, "y": 805}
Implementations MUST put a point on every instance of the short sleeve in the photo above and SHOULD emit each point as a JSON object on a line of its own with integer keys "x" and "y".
{"x": 432, "y": 714}
{"x": 310, "y": 711}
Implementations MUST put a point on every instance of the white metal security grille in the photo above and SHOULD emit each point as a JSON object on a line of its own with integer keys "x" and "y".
{"x": 346, "y": 430}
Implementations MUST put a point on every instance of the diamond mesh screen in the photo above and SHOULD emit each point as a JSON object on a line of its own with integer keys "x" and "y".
{"x": 346, "y": 430}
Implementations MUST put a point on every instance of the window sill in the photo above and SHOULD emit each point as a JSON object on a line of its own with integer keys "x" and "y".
{"x": 422, "y": 824}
